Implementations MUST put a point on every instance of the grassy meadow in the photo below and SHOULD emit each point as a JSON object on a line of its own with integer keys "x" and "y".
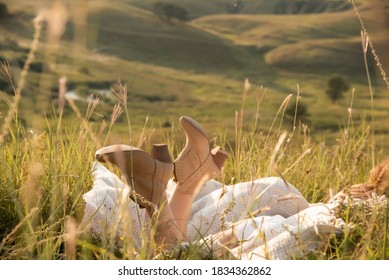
{"x": 236, "y": 74}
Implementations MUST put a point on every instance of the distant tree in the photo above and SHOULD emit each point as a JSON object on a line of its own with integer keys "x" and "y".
{"x": 168, "y": 12}
{"x": 3, "y": 10}
{"x": 302, "y": 113}
{"x": 166, "y": 124}
{"x": 236, "y": 7}
{"x": 337, "y": 85}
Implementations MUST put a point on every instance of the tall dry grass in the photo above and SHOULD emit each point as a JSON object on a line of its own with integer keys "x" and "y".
{"x": 43, "y": 176}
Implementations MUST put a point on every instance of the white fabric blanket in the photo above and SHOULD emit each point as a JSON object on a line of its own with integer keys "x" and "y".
{"x": 269, "y": 216}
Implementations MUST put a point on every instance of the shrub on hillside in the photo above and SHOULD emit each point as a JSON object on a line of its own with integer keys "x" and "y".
{"x": 337, "y": 85}
{"x": 300, "y": 113}
{"x": 168, "y": 12}
{"x": 3, "y": 10}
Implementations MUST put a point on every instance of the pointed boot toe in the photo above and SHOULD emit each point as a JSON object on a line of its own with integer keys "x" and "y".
{"x": 196, "y": 164}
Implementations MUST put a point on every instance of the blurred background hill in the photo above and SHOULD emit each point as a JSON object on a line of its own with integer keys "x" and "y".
{"x": 196, "y": 65}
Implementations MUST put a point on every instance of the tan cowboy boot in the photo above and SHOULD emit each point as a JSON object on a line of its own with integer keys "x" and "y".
{"x": 147, "y": 175}
{"x": 196, "y": 164}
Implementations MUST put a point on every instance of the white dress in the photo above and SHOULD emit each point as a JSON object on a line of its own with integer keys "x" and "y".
{"x": 269, "y": 216}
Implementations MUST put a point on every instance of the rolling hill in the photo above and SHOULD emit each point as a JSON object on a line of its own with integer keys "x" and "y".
{"x": 201, "y": 8}
{"x": 198, "y": 68}
{"x": 324, "y": 41}
{"x": 174, "y": 67}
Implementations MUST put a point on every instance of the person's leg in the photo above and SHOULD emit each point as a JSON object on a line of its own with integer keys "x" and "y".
{"x": 195, "y": 165}
{"x": 167, "y": 229}
{"x": 181, "y": 205}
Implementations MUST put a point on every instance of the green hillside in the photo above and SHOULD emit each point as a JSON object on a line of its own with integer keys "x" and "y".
{"x": 204, "y": 7}
{"x": 273, "y": 30}
{"x": 169, "y": 67}
{"x": 133, "y": 34}
{"x": 142, "y": 37}
{"x": 324, "y": 41}
{"x": 197, "y": 68}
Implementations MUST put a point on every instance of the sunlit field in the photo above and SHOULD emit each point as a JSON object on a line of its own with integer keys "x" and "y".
{"x": 257, "y": 79}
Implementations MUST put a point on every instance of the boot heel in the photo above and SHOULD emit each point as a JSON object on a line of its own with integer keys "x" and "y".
{"x": 219, "y": 157}
{"x": 161, "y": 152}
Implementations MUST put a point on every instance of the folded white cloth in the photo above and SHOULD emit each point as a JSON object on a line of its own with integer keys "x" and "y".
{"x": 109, "y": 212}
{"x": 269, "y": 216}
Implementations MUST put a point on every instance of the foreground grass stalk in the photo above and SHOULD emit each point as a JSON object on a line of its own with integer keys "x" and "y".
{"x": 373, "y": 51}
{"x": 13, "y": 110}
{"x": 365, "y": 45}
